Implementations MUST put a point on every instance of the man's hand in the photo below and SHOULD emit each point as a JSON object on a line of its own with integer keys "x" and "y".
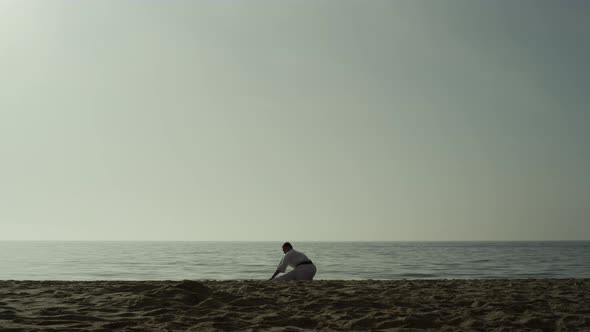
{"x": 274, "y": 275}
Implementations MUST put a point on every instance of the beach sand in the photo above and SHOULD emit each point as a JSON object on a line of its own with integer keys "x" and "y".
{"x": 404, "y": 305}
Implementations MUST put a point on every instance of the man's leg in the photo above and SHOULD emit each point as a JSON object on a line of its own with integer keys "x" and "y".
{"x": 287, "y": 276}
{"x": 305, "y": 272}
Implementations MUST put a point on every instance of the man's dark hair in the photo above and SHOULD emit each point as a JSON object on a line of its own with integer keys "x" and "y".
{"x": 288, "y": 245}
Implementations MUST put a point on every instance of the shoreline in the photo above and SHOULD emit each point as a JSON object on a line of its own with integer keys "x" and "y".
{"x": 230, "y": 305}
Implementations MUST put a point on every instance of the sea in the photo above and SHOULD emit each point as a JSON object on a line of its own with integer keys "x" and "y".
{"x": 47, "y": 260}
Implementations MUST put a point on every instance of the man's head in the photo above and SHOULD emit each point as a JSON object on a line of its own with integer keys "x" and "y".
{"x": 286, "y": 247}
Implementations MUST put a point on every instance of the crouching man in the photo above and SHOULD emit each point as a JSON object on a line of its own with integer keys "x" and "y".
{"x": 303, "y": 268}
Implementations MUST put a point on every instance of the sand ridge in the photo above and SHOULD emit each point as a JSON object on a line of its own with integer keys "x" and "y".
{"x": 403, "y": 305}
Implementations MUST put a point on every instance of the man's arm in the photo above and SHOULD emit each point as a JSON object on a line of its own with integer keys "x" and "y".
{"x": 282, "y": 266}
{"x": 274, "y": 275}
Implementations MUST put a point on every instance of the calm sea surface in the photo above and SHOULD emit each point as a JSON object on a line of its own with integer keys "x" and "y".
{"x": 257, "y": 260}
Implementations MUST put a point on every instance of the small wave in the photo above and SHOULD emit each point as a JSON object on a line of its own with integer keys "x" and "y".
{"x": 480, "y": 261}
{"x": 419, "y": 275}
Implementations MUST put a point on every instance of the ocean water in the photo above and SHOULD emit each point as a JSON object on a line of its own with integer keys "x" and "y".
{"x": 257, "y": 260}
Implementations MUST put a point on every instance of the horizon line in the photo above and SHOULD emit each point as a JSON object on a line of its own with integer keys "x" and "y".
{"x": 295, "y": 240}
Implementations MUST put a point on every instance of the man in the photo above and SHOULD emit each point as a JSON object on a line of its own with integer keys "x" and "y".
{"x": 303, "y": 268}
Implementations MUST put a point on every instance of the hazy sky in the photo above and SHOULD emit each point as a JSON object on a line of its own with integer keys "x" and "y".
{"x": 294, "y": 120}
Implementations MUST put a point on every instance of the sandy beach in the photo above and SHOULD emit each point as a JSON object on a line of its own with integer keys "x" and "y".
{"x": 404, "y": 305}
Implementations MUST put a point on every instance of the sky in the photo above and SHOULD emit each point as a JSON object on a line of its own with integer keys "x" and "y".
{"x": 331, "y": 120}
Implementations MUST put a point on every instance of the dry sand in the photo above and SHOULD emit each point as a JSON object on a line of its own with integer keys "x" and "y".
{"x": 405, "y": 305}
